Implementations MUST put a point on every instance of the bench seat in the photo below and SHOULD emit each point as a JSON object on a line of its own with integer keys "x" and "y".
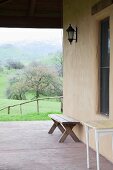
{"x": 65, "y": 125}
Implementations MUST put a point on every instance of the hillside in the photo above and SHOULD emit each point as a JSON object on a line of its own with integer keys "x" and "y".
{"x": 27, "y": 51}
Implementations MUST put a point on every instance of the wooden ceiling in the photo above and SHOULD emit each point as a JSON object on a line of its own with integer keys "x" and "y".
{"x": 31, "y": 13}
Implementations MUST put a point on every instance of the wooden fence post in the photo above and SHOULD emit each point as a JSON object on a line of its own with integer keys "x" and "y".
{"x": 61, "y": 105}
{"x": 37, "y": 106}
{"x": 8, "y": 110}
{"x": 21, "y": 109}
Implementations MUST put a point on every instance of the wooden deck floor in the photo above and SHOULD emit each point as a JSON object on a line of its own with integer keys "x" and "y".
{"x": 28, "y": 146}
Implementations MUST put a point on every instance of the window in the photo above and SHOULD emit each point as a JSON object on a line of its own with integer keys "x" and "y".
{"x": 104, "y": 66}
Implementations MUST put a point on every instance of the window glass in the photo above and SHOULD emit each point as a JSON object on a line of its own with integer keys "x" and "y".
{"x": 104, "y": 66}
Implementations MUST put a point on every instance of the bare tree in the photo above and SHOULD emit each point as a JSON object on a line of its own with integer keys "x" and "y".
{"x": 57, "y": 59}
{"x": 35, "y": 78}
{"x": 17, "y": 88}
{"x": 39, "y": 79}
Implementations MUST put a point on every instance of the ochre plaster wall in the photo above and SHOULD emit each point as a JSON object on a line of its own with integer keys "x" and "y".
{"x": 81, "y": 68}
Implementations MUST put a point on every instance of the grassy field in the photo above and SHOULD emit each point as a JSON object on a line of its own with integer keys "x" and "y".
{"x": 29, "y": 111}
{"x": 26, "y": 117}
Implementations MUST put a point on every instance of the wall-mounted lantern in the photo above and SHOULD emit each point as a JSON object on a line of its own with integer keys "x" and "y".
{"x": 72, "y": 34}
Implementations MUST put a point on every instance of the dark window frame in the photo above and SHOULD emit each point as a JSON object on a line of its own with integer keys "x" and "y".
{"x": 104, "y": 66}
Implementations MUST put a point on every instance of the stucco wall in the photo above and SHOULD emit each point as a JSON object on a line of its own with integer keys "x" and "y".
{"x": 81, "y": 67}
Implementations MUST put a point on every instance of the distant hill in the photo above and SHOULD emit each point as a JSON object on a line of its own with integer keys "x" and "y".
{"x": 27, "y": 51}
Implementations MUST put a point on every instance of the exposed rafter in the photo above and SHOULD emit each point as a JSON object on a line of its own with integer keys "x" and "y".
{"x": 32, "y": 6}
{"x": 30, "y": 22}
{"x": 3, "y": 1}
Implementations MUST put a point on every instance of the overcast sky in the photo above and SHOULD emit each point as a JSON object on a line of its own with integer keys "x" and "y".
{"x": 9, "y": 35}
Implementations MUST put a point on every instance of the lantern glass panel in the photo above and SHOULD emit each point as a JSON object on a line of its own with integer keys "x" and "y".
{"x": 71, "y": 35}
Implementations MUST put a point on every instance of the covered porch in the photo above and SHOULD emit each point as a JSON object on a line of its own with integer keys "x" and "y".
{"x": 28, "y": 146}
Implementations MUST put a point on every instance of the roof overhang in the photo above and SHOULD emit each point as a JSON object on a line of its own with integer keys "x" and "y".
{"x": 31, "y": 13}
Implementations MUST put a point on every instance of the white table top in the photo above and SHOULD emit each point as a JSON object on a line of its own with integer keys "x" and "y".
{"x": 100, "y": 124}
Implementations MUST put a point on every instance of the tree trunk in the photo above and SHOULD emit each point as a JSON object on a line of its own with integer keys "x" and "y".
{"x": 37, "y": 94}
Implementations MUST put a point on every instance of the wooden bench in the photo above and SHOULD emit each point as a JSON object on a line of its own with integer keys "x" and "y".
{"x": 65, "y": 124}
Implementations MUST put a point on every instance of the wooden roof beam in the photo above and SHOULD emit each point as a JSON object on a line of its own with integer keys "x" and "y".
{"x": 32, "y": 6}
{"x": 3, "y": 1}
{"x": 30, "y": 22}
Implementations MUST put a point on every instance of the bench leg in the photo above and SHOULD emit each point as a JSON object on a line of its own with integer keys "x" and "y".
{"x": 74, "y": 137}
{"x": 68, "y": 131}
{"x": 56, "y": 124}
{"x": 61, "y": 128}
{"x": 63, "y": 137}
{"x": 52, "y": 128}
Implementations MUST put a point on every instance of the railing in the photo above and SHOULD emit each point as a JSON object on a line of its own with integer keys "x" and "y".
{"x": 36, "y": 100}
